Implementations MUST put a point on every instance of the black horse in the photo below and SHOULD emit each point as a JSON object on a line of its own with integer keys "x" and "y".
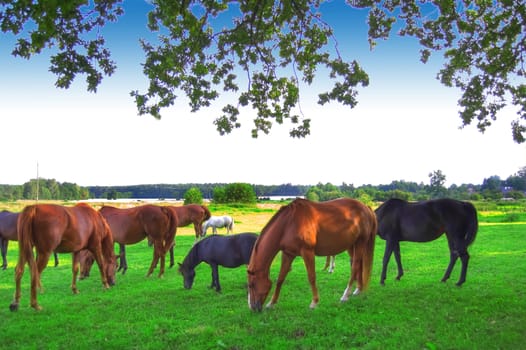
{"x": 227, "y": 251}
{"x": 425, "y": 221}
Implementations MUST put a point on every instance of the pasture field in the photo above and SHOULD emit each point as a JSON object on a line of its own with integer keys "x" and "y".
{"x": 417, "y": 312}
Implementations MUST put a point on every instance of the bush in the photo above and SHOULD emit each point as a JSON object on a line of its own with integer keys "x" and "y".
{"x": 235, "y": 193}
{"x": 193, "y": 196}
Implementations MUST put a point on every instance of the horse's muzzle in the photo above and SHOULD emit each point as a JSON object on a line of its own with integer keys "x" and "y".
{"x": 257, "y": 306}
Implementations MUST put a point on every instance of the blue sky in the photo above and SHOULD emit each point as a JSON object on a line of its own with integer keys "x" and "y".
{"x": 405, "y": 126}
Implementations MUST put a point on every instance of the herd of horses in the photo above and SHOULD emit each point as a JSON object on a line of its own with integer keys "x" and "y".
{"x": 302, "y": 228}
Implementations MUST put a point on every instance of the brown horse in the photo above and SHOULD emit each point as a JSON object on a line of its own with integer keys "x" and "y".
{"x": 8, "y": 232}
{"x": 50, "y": 227}
{"x": 190, "y": 214}
{"x": 304, "y": 228}
{"x": 132, "y": 225}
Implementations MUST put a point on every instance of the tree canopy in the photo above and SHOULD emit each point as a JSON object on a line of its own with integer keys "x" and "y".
{"x": 281, "y": 46}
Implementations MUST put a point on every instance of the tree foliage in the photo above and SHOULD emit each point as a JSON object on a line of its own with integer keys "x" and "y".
{"x": 235, "y": 193}
{"x": 193, "y": 196}
{"x": 437, "y": 179}
{"x": 280, "y": 46}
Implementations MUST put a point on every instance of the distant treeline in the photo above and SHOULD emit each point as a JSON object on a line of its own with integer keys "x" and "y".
{"x": 51, "y": 189}
{"x": 492, "y": 188}
{"x": 178, "y": 190}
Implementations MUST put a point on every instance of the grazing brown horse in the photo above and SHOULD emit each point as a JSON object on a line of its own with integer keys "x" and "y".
{"x": 304, "y": 228}
{"x": 132, "y": 225}
{"x": 51, "y": 227}
{"x": 8, "y": 232}
{"x": 190, "y": 214}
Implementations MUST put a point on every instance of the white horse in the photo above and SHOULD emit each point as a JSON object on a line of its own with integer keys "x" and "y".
{"x": 217, "y": 222}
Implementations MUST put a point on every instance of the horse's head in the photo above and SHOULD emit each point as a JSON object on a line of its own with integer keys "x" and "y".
{"x": 86, "y": 261}
{"x": 258, "y": 288}
{"x": 188, "y": 275}
{"x": 111, "y": 268}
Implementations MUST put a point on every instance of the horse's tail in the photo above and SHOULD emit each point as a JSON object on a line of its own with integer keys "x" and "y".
{"x": 231, "y": 225}
{"x": 472, "y": 221}
{"x": 25, "y": 238}
{"x": 172, "y": 227}
{"x": 365, "y": 250}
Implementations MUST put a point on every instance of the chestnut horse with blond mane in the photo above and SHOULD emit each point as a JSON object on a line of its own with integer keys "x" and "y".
{"x": 51, "y": 227}
{"x": 308, "y": 229}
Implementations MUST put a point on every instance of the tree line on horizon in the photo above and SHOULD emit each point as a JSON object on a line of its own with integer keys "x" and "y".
{"x": 492, "y": 188}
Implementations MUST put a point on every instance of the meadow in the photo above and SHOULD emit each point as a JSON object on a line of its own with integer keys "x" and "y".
{"x": 417, "y": 312}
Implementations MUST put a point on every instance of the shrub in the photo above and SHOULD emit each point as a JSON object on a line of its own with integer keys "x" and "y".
{"x": 193, "y": 196}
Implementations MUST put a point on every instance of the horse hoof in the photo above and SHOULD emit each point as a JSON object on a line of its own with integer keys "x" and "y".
{"x": 13, "y": 307}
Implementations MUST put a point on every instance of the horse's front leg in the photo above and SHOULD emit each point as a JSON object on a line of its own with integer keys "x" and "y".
{"x": 123, "y": 264}
{"x": 215, "y": 277}
{"x": 3, "y": 248}
{"x": 97, "y": 254}
{"x": 308, "y": 259}
{"x": 198, "y": 231}
{"x": 75, "y": 262}
{"x": 286, "y": 262}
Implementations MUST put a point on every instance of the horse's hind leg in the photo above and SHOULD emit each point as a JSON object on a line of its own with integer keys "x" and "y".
{"x": 356, "y": 268}
{"x": 19, "y": 272}
{"x": 387, "y": 255}
{"x": 36, "y": 272}
{"x": 453, "y": 256}
{"x": 75, "y": 263}
{"x": 158, "y": 254}
{"x": 398, "y": 259}
{"x": 464, "y": 258}
{"x": 172, "y": 263}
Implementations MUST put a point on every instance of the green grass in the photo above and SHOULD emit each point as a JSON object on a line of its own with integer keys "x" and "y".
{"x": 418, "y": 312}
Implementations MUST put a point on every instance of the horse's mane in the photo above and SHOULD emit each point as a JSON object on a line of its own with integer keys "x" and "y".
{"x": 284, "y": 212}
{"x": 191, "y": 257}
{"x": 207, "y": 212}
